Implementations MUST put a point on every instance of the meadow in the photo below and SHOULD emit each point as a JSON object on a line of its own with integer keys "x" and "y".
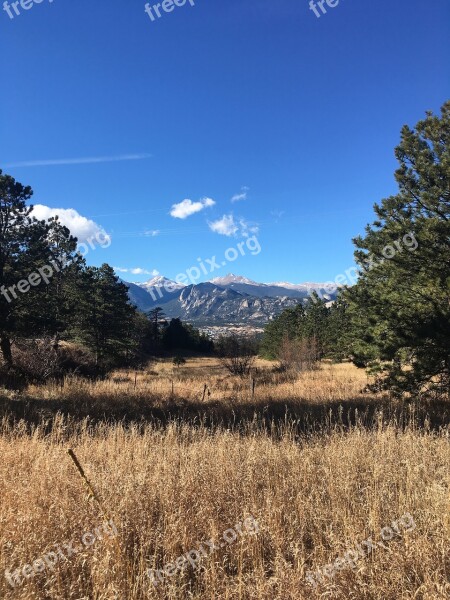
{"x": 178, "y": 456}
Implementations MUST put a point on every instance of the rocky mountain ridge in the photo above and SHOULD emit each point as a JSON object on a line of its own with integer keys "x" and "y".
{"x": 228, "y": 300}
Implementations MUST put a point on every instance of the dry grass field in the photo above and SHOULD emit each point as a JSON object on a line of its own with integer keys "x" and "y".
{"x": 319, "y": 463}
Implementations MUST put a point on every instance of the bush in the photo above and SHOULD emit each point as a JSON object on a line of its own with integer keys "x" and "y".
{"x": 236, "y": 354}
{"x": 299, "y": 355}
{"x": 37, "y": 361}
{"x": 178, "y": 361}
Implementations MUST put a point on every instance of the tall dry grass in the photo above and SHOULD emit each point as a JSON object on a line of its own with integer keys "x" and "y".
{"x": 171, "y": 485}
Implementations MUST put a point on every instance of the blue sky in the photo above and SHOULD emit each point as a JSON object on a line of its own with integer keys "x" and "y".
{"x": 261, "y": 99}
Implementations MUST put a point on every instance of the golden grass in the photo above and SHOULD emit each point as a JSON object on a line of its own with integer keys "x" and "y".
{"x": 334, "y": 382}
{"x": 171, "y": 487}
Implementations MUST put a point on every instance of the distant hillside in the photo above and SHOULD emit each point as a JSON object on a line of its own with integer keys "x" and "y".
{"x": 231, "y": 299}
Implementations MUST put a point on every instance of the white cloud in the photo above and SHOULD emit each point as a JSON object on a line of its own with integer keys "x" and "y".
{"x": 137, "y": 271}
{"x": 228, "y": 226}
{"x": 152, "y": 233}
{"x": 184, "y": 209}
{"x": 242, "y": 195}
{"x": 224, "y": 226}
{"x": 82, "y": 228}
{"x": 88, "y": 160}
{"x": 246, "y": 228}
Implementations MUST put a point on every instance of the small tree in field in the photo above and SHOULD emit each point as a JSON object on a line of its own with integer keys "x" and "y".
{"x": 178, "y": 361}
{"x": 236, "y": 354}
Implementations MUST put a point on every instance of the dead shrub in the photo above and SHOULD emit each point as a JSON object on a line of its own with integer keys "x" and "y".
{"x": 299, "y": 355}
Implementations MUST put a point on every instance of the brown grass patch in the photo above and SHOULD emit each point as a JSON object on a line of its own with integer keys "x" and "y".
{"x": 170, "y": 485}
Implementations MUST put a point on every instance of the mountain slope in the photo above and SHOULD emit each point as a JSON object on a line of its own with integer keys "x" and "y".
{"x": 227, "y": 300}
{"x": 207, "y": 303}
{"x": 262, "y": 290}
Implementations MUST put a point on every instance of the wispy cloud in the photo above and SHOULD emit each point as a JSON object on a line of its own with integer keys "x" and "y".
{"x": 77, "y": 161}
{"x": 247, "y": 228}
{"x": 228, "y": 226}
{"x": 242, "y": 195}
{"x": 186, "y": 208}
{"x": 277, "y": 214}
{"x": 136, "y": 271}
{"x": 152, "y": 233}
{"x": 139, "y": 271}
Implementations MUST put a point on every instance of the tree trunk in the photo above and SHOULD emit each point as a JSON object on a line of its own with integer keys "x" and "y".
{"x": 5, "y": 346}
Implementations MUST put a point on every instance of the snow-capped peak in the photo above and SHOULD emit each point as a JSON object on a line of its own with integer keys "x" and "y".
{"x": 231, "y": 278}
{"x": 297, "y": 286}
{"x": 160, "y": 281}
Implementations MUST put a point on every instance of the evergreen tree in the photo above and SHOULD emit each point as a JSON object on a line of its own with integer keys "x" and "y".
{"x": 314, "y": 325}
{"x": 182, "y": 336}
{"x": 400, "y": 307}
{"x": 157, "y": 319}
{"x": 322, "y": 326}
{"x": 47, "y": 292}
{"x": 23, "y": 249}
{"x": 286, "y": 325}
{"x": 54, "y": 304}
{"x": 338, "y": 334}
{"x": 105, "y": 317}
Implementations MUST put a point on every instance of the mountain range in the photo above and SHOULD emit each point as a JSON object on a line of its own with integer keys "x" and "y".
{"x": 231, "y": 299}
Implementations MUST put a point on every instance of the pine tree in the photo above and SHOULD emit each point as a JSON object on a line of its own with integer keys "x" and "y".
{"x": 23, "y": 249}
{"x": 54, "y": 304}
{"x": 105, "y": 318}
{"x": 315, "y": 322}
{"x": 400, "y": 306}
{"x": 286, "y": 325}
{"x": 182, "y": 336}
{"x": 158, "y": 321}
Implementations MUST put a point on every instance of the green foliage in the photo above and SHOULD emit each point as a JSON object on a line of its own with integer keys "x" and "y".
{"x": 182, "y": 336}
{"x": 400, "y": 308}
{"x": 395, "y": 320}
{"x": 326, "y": 325}
{"x": 157, "y": 319}
{"x": 22, "y": 247}
{"x": 105, "y": 319}
{"x": 287, "y": 324}
{"x": 53, "y": 305}
{"x": 74, "y": 302}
